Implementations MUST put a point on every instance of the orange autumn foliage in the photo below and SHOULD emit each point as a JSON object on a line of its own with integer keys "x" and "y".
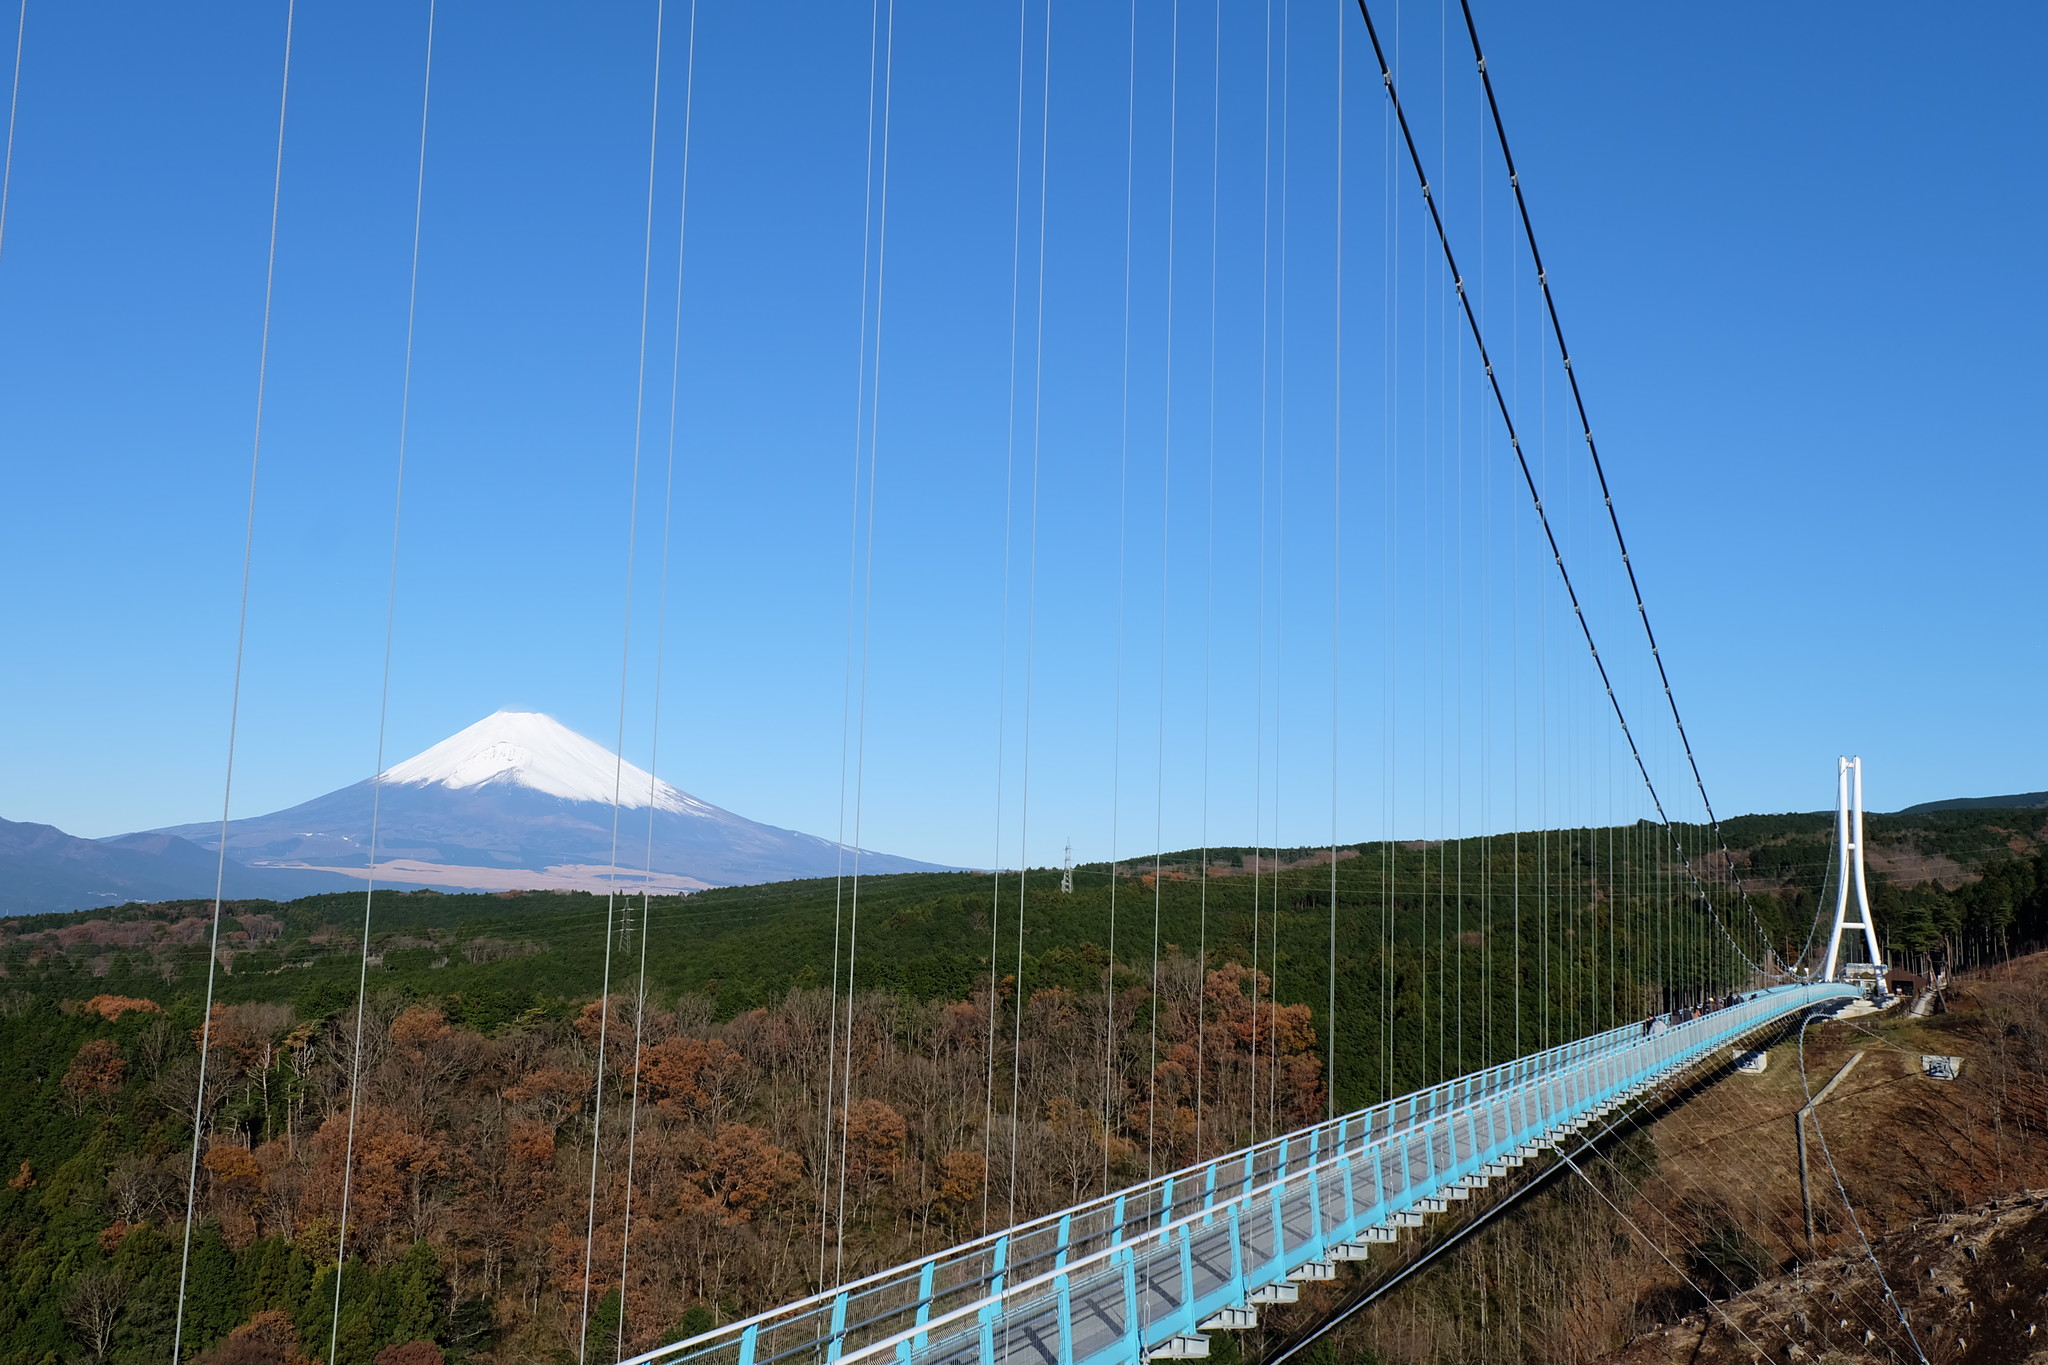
{"x": 553, "y": 1092}
{"x": 269, "y": 1338}
{"x": 112, "y": 1007}
{"x": 95, "y": 1072}
{"x": 396, "y": 1164}
{"x": 234, "y": 1169}
{"x": 698, "y": 1076}
{"x": 874, "y": 1142}
{"x": 739, "y": 1174}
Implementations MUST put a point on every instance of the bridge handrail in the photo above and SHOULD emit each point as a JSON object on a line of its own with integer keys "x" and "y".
{"x": 1429, "y": 1108}
{"x": 1361, "y": 1145}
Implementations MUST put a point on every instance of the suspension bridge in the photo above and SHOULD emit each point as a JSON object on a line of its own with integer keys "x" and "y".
{"x": 1516, "y": 682}
{"x": 1148, "y": 1271}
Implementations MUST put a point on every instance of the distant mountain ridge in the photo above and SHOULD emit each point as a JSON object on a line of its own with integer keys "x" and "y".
{"x": 42, "y": 868}
{"x": 520, "y": 801}
{"x": 2017, "y": 801}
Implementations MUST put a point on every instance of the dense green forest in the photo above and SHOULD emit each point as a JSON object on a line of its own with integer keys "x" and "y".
{"x": 487, "y": 1021}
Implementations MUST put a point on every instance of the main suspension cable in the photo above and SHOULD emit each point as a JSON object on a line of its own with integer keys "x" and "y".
{"x": 1528, "y": 475}
{"x": 1593, "y": 453}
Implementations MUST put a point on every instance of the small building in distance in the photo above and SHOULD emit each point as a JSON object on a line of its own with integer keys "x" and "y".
{"x": 1904, "y": 984}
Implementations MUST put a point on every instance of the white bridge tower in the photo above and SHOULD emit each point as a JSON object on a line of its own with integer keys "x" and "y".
{"x": 1849, "y": 866}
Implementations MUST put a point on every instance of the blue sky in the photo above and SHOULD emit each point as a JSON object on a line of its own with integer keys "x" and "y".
{"x": 1797, "y": 252}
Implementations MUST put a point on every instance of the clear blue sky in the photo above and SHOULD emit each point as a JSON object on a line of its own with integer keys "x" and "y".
{"x": 1798, "y": 250}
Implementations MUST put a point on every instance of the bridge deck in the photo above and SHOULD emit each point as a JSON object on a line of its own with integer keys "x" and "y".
{"x": 1140, "y": 1273}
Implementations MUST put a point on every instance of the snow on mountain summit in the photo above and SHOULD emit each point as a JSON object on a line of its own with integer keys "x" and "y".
{"x": 527, "y": 749}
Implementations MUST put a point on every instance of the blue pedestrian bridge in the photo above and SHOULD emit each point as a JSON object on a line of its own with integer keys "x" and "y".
{"x": 1145, "y": 1272}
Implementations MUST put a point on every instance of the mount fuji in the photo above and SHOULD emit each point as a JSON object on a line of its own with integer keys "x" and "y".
{"x": 518, "y": 801}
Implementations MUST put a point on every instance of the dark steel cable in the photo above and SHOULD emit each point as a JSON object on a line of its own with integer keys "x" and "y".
{"x": 1593, "y": 452}
{"x": 1529, "y": 478}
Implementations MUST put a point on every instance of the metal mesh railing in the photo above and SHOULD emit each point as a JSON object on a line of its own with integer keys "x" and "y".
{"x": 1117, "y": 1276}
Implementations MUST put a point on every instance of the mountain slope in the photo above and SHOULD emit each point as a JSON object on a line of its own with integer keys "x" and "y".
{"x": 519, "y": 800}
{"x": 42, "y": 868}
{"x": 2016, "y": 801}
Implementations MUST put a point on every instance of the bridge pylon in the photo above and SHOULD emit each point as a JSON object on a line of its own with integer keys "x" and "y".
{"x": 1849, "y": 868}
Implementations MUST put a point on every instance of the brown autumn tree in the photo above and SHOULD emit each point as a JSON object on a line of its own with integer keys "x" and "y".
{"x": 874, "y": 1142}
{"x": 699, "y": 1077}
{"x": 428, "y": 1056}
{"x": 396, "y": 1167}
{"x": 112, "y": 1007}
{"x": 963, "y": 1175}
{"x": 740, "y": 1174}
{"x": 551, "y": 1093}
{"x": 94, "y": 1075}
{"x": 411, "y": 1353}
{"x": 269, "y": 1338}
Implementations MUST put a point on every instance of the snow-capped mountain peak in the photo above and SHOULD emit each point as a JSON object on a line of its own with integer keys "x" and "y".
{"x": 527, "y": 749}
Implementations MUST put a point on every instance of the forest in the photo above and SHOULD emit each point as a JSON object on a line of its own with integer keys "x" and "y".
{"x": 1008, "y": 1049}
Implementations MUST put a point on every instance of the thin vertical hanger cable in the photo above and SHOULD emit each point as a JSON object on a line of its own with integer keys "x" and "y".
{"x": 860, "y": 746}
{"x": 1514, "y": 655}
{"x": 1486, "y": 586}
{"x": 1123, "y": 474}
{"x": 235, "y": 692}
{"x": 1446, "y": 772}
{"x": 1593, "y": 451}
{"x": 1030, "y": 603}
{"x": 846, "y": 671}
{"x": 611, "y": 895}
{"x": 1521, "y": 457}
{"x": 1165, "y": 529}
{"x": 1458, "y": 637}
{"x": 13, "y": 112}
{"x": 1002, "y": 623}
{"x": 1259, "y": 651}
{"x": 1545, "y": 844}
{"x": 675, "y": 378}
{"x": 355, "y": 1065}
{"x": 1280, "y": 566}
{"x": 1336, "y": 569}
{"x": 1209, "y": 577}
{"x": 1390, "y": 437}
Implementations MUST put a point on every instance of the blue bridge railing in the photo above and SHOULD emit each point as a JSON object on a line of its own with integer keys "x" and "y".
{"x": 1144, "y": 1272}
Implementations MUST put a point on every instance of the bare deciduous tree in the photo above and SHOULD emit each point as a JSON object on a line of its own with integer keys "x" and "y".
{"x": 93, "y": 1308}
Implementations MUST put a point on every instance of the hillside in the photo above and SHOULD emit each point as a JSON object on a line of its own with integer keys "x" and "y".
{"x": 1973, "y": 1286}
{"x": 484, "y": 1037}
{"x": 1945, "y": 1178}
{"x": 42, "y": 869}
